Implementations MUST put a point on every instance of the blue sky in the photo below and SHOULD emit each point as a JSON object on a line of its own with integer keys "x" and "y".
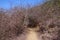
{"x": 6, "y": 4}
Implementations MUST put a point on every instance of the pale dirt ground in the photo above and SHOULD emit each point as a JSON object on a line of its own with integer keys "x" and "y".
{"x": 30, "y": 35}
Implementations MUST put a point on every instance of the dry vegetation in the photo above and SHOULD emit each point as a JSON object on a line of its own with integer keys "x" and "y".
{"x": 46, "y": 17}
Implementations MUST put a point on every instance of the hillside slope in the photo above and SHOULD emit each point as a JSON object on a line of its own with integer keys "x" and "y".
{"x": 49, "y": 10}
{"x": 44, "y": 18}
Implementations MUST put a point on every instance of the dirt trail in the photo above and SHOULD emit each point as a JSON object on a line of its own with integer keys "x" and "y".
{"x": 32, "y": 35}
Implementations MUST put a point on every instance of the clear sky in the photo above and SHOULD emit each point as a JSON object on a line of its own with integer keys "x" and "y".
{"x": 6, "y": 4}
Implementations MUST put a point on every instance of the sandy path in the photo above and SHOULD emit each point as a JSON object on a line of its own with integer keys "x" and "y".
{"x": 32, "y": 35}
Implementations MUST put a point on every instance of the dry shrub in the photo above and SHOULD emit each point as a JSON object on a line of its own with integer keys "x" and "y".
{"x": 11, "y": 26}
